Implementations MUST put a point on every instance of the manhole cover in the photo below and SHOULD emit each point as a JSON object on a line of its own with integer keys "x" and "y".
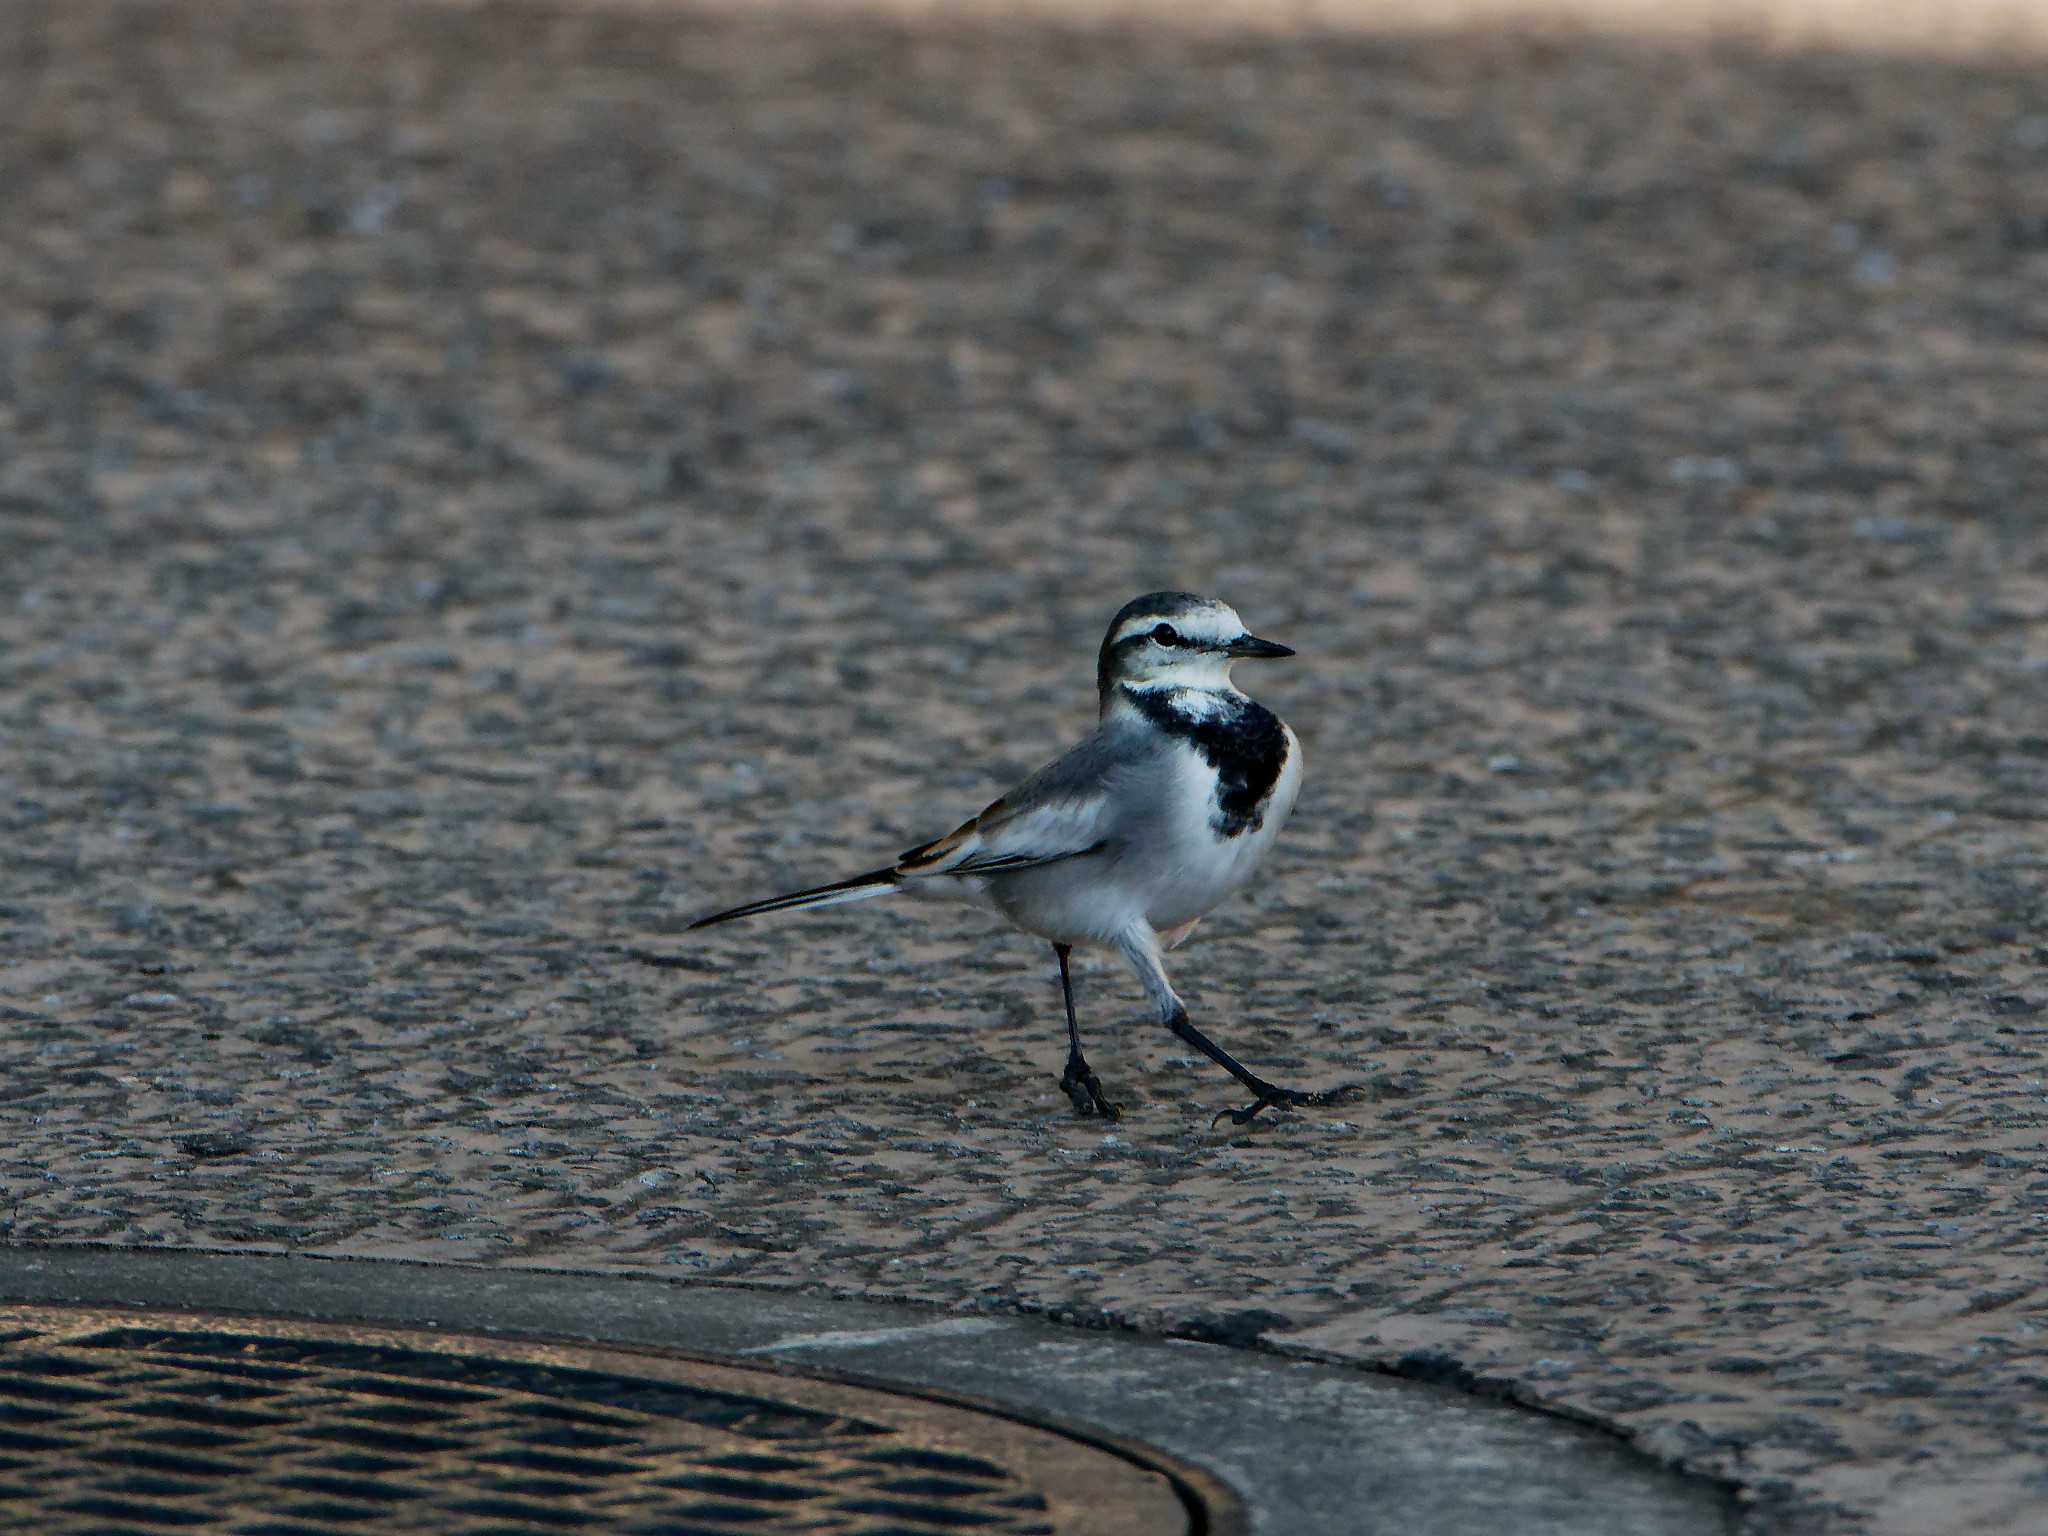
{"x": 135, "y": 1422}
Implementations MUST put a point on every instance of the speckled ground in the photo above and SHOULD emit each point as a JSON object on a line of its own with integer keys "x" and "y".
{"x": 480, "y": 486}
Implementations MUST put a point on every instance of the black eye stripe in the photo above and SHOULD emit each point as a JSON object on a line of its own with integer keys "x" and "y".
{"x": 1139, "y": 638}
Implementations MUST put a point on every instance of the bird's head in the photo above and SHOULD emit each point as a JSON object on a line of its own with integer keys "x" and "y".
{"x": 1176, "y": 640}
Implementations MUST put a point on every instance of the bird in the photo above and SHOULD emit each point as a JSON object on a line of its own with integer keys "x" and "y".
{"x": 1129, "y": 839}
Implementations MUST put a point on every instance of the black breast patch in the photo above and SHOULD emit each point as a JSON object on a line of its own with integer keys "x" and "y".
{"x": 1246, "y": 745}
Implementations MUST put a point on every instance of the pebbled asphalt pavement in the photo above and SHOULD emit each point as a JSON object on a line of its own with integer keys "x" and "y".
{"x": 481, "y": 485}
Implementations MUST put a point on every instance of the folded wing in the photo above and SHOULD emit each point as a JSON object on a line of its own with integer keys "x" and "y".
{"x": 1005, "y": 838}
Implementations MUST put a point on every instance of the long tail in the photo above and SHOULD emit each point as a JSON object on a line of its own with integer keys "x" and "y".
{"x": 879, "y": 882}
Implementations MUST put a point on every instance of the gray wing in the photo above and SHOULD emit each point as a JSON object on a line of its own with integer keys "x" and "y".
{"x": 1066, "y": 810}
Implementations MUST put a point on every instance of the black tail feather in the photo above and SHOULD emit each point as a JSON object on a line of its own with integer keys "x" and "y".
{"x": 877, "y": 882}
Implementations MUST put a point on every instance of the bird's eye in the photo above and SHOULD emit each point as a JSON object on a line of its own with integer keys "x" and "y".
{"x": 1165, "y": 634}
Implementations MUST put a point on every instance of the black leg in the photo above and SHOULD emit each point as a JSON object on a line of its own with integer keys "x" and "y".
{"x": 1079, "y": 1080}
{"x": 1268, "y": 1093}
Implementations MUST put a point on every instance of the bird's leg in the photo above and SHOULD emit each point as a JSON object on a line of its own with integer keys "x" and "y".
{"x": 1268, "y": 1093}
{"x": 1141, "y": 947}
{"x": 1079, "y": 1080}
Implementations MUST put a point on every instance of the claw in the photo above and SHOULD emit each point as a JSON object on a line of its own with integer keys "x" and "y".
{"x": 1279, "y": 1098}
{"x": 1272, "y": 1096}
{"x": 1085, "y": 1089}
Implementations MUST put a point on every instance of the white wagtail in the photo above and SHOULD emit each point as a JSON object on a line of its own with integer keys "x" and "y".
{"x": 1167, "y": 807}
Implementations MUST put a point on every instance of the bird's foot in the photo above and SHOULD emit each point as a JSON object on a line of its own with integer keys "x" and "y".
{"x": 1272, "y": 1095}
{"x": 1085, "y": 1089}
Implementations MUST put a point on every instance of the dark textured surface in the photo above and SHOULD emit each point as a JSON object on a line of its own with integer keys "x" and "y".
{"x": 129, "y": 1421}
{"x": 1441, "y": 1462}
{"x": 483, "y": 486}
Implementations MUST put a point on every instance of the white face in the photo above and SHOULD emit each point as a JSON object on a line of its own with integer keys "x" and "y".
{"x": 1184, "y": 650}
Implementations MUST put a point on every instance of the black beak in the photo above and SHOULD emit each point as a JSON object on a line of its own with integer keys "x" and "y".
{"x": 1252, "y": 648}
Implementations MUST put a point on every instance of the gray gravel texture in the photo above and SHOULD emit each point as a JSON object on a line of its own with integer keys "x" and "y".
{"x": 479, "y": 486}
